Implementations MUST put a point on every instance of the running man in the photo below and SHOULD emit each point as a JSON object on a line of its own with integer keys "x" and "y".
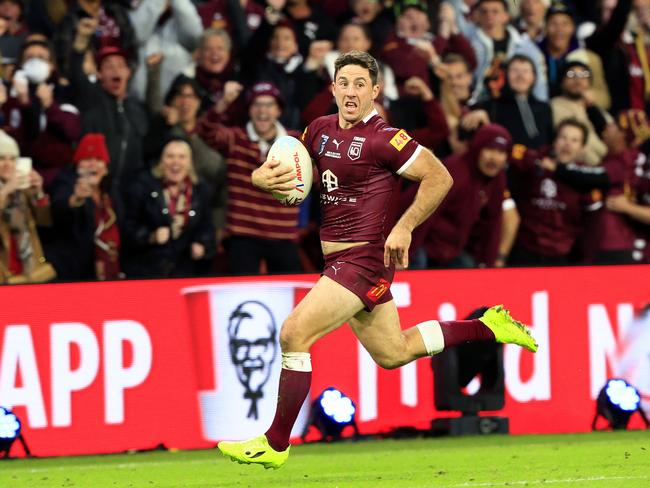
{"x": 359, "y": 158}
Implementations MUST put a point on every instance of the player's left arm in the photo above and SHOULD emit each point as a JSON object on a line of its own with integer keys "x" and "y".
{"x": 435, "y": 183}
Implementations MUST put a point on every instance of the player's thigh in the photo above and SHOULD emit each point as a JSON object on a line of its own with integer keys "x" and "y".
{"x": 327, "y": 306}
{"x": 379, "y": 331}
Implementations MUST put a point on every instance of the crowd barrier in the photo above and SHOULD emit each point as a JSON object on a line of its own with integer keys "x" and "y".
{"x": 109, "y": 367}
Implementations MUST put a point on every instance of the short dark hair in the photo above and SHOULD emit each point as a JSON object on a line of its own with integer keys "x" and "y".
{"x": 522, "y": 58}
{"x": 45, "y": 44}
{"x": 573, "y": 122}
{"x": 453, "y": 58}
{"x": 359, "y": 58}
{"x": 502, "y": 2}
{"x": 179, "y": 83}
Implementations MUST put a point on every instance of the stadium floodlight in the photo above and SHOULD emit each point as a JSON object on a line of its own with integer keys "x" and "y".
{"x": 616, "y": 403}
{"x": 332, "y": 412}
{"x": 9, "y": 430}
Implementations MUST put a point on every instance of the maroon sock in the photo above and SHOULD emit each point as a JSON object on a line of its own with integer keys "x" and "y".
{"x": 294, "y": 387}
{"x": 460, "y": 331}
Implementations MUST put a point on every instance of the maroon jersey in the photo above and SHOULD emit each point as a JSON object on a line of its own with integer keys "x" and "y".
{"x": 358, "y": 170}
{"x": 616, "y": 229}
{"x": 641, "y": 193}
{"x": 250, "y": 212}
{"x": 553, "y": 214}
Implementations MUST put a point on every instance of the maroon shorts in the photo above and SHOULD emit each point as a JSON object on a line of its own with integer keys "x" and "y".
{"x": 361, "y": 270}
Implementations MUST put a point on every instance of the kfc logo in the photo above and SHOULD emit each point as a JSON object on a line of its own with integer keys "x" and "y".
{"x": 330, "y": 181}
{"x": 239, "y": 369}
{"x": 253, "y": 348}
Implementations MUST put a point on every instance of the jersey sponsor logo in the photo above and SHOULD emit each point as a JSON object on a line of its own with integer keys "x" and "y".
{"x": 330, "y": 181}
{"x": 548, "y": 188}
{"x": 359, "y": 138}
{"x": 332, "y": 154}
{"x": 323, "y": 140}
{"x": 337, "y": 143}
{"x": 377, "y": 291}
{"x": 400, "y": 139}
{"x": 518, "y": 151}
{"x": 296, "y": 160}
{"x": 354, "y": 151}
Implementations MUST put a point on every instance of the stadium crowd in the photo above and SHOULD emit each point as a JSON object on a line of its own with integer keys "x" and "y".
{"x": 130, "y": 129}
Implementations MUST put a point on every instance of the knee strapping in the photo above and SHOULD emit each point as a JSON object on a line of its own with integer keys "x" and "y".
{"x": 296, "y": 361}
{"x": 431, "y": 333}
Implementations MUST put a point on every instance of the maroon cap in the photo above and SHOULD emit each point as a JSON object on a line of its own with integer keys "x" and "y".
{"x": 492, "y": 136}
{"x": 264, "y": 88}
{"x": 107, "y": 51}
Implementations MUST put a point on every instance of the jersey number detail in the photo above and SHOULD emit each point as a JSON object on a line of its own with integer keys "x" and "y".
{"x": 400, "y": 139}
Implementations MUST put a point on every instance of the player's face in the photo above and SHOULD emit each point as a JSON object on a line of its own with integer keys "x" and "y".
{"x": 568, "y": 144}
{"x": 492, "y": 161}
{"x": 354, "y": 93}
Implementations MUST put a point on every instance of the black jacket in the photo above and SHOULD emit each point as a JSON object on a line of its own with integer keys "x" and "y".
{"x": 125, "y": 124}
{"x": 504, "y": 111}
{"x": 72, "y": 248}
{"x": 147, "y": 211}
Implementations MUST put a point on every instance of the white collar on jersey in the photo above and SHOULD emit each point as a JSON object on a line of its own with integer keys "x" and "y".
{"x": 264, "y": 145}
{"x": 370, "y": 115}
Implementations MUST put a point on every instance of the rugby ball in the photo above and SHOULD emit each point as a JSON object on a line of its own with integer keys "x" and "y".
{"x": 291, "y": 153}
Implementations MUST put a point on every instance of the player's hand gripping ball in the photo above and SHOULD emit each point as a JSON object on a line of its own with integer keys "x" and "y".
{"x": 292, "y": 154}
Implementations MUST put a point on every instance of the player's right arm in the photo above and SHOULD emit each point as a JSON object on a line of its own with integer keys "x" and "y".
{"x": 435, "y": 183}
{"x": 273, "y": 178}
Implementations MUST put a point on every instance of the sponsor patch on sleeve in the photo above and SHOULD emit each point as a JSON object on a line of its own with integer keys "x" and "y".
{"x": 518, "y": 151}
{"x": 400, "y": 139}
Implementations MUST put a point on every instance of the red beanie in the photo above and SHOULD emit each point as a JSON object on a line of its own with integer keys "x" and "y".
{"x": 92, "y": 146}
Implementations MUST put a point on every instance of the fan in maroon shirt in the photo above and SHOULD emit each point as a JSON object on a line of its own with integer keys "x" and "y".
{"x": 359, "y": 157}
{"x": 477, "y": 199}
{"x": 554, "y": 213}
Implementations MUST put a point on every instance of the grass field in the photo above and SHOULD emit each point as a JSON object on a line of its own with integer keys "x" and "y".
{"x": 600, "y": 460}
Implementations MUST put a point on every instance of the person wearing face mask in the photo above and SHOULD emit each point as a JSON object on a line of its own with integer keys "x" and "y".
{"x": 86, "y": 225}
{"x": 36, "y": 113}
{"x": 168, "y": 229}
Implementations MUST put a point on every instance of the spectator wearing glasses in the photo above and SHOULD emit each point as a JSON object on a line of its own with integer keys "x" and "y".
{"x": 576, "y": 101}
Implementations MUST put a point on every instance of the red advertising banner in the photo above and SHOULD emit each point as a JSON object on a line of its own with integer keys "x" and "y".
{"x": 107, "y": 367}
